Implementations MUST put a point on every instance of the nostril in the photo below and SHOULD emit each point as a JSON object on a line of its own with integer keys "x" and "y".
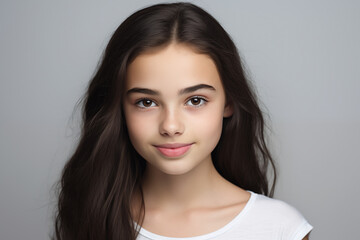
{"x": 171, "y": 125}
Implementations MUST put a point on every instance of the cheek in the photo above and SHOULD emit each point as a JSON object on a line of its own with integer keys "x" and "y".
{"x": 209, "y": 126}
{"x": 139, "y": 127}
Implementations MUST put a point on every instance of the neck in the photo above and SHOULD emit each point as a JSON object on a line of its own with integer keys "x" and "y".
{"x": 182, "y": 191}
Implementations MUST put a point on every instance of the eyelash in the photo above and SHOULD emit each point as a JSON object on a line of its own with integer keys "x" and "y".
{"x": 203, "y": 101}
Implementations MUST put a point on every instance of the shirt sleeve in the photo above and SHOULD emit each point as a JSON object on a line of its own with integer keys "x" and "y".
{"x": 294, "y": 225}
{"x": 302, "y": 231}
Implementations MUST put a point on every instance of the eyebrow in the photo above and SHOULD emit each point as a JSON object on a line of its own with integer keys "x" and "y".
{"x": 181, "y": 92}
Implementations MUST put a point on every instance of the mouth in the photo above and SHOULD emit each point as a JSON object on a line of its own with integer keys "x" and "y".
{"x": 173, "y": 150}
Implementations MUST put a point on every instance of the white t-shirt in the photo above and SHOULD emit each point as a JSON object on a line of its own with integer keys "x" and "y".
{"x": 262, "y": 218}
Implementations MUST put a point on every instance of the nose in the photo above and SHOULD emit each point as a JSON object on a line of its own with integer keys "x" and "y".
{"x": 171, "y": 124}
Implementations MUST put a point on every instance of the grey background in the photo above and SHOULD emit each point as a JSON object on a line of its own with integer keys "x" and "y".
{"x": 303, "y": 56}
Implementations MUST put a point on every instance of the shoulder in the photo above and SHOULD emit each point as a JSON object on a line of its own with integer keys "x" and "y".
{"x": 281, "y": 215}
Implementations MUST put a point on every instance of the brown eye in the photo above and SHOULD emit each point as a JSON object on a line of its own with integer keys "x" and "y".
{"x": 145, "y": 103}
{"x": 196, "y": 101}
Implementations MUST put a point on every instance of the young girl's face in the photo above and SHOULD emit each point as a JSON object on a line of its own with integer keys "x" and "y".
{"x": 174, "y": 107}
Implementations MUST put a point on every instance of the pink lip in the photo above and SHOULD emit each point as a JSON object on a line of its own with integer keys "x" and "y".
{"x": 173, "y": 150}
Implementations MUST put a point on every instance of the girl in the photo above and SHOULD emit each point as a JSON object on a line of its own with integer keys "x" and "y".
{"x": 172, "y": 143}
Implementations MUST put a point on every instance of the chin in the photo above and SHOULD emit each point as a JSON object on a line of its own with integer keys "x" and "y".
{"x": 177, "y": 171}
{"x": 174, "y": 167}
{"x": 177, "y": 166}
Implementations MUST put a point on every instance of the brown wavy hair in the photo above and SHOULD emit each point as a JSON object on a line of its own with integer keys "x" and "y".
{"x": 100, "y": 178}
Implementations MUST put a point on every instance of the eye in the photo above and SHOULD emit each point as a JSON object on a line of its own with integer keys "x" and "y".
{"x": 196, "y": 101}
{"x": 145, "y": 103}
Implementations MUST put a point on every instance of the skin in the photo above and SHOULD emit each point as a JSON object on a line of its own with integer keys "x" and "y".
{"x": 180, "y": 193}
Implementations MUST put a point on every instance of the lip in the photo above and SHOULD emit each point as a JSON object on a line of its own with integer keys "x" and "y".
{"x": 173, "y": 149}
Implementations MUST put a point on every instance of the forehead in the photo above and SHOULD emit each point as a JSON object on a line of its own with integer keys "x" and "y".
{"x": 175, "y": 66}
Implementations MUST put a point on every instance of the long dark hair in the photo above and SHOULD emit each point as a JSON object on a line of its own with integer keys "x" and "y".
{"x": 99, "y": 180}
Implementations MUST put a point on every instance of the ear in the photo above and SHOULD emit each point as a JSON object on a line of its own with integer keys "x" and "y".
{"x": 228, "y": 110}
